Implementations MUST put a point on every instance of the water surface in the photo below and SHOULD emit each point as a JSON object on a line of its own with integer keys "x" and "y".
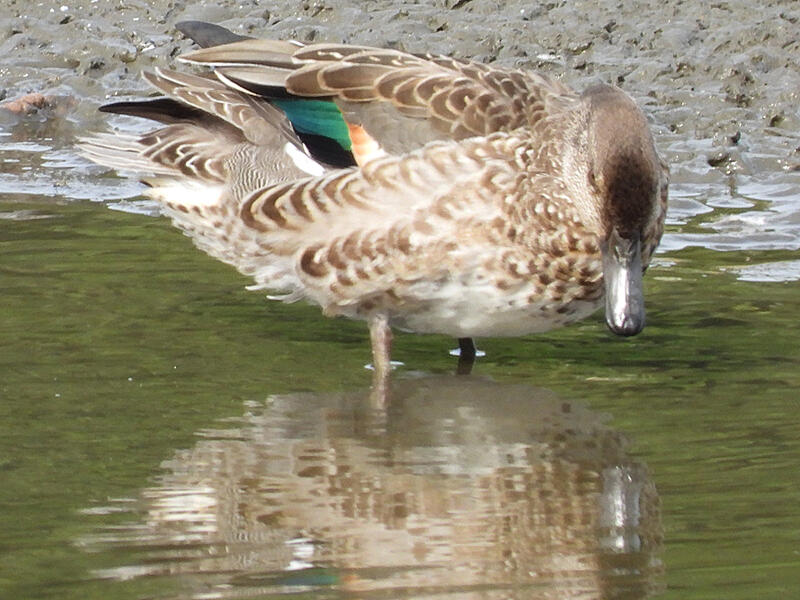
{"x": 167, "y": 434}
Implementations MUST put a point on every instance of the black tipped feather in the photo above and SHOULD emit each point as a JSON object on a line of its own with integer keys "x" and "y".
{"x": 275, "y": 92}
{"x": 162, "y": 110}
{"x": 207, "y": 35}
{"x": 326, "y": 150}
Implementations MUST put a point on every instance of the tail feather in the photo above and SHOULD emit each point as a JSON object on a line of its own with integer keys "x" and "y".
{"x": 120, "y": 152}
{"x": 206, "y": 35}
{"x": 163, "y": 110}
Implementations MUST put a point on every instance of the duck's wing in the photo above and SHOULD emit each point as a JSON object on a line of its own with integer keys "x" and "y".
{"x": 400, "y": 100}
{"x": 400, "y": 229}
{"x": 206, "y": 124}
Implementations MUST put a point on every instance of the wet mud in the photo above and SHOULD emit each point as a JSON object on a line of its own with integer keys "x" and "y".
{"x": 725, "y": 72}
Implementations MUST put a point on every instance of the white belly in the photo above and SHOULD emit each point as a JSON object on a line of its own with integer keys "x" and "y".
{"x": 489, "y": 312}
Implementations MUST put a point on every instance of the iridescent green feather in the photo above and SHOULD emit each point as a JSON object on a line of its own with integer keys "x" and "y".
{"x": 318, "y": 117}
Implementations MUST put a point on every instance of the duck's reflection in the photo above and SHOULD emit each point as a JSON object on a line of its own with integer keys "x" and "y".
{"x": 463, "y": 487}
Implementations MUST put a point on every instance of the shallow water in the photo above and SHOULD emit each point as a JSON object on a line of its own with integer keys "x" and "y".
{"x": 166, "y": 434}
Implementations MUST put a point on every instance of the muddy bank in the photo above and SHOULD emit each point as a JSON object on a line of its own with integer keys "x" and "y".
{"x": 723, "y": 73}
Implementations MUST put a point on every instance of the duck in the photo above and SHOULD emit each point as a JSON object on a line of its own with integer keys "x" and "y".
{"x": 414, "y": 192}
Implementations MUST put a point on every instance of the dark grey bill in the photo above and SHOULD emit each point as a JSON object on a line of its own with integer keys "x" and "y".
{"x": 622, "y": 274}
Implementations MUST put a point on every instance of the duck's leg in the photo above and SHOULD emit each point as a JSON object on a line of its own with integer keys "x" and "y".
{"x": 380, "y": 335}
{"x": 466, "y": 356}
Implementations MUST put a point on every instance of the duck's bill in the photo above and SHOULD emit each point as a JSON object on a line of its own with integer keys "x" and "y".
{"x": 622, "y": 274}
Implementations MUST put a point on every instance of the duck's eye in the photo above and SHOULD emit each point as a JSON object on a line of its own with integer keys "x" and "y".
{"x": 592, "y": 179}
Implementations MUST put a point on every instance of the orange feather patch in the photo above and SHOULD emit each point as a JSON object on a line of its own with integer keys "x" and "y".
{"x": 364, "y": 147}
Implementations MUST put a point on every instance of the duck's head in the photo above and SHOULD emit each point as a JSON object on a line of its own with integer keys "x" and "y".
{"x": 626, "y": 175}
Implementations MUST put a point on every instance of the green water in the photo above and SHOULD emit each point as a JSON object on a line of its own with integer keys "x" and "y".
{"x": 122, "y": 344}
{"x": 165, "y": 433}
